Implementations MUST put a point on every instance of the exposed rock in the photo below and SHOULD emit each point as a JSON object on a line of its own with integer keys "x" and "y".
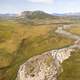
{"x": 44, "y": 67}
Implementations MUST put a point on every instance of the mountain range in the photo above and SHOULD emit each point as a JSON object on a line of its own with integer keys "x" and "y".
{"x": 30, "y": 15}
{"x": 67, "y": 14}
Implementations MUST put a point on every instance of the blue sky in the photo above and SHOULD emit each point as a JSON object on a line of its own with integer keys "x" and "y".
{"x": 50, "y": 6}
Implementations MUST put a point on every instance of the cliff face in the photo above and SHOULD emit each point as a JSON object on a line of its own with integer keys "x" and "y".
{"x": 44, "y": 67}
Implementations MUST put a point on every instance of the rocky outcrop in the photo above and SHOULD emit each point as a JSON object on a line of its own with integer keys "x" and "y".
{"x": 44, "y": 67}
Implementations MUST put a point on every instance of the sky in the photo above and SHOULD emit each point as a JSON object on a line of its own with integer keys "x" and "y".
{"x": 50, "y": 6}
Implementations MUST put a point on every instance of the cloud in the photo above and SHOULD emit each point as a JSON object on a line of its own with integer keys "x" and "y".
{"x": 42, "y": 1}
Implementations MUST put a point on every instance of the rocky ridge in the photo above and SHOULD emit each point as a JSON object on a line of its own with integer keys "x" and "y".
{"x": 44, "y": 67}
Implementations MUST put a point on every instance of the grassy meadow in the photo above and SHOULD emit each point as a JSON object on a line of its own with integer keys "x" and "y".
{"x": 19, "y": 42}
{"x": 71, "y": 67}
{"x": 75, "y": 29}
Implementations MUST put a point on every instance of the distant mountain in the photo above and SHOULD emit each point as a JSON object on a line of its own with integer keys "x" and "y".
{"x": 57, "y": 14}
{"x": 7, "y": 16}
{"x": 35, "y": 15}
{"x": 72, "y": 14}
{"x": 66, "y": 14}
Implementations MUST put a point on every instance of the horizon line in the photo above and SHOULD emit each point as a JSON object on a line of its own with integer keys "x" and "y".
{"x": 39, "y": 10}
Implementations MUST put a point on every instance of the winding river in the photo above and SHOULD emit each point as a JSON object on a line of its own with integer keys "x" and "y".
{"x": 61, "y": 31}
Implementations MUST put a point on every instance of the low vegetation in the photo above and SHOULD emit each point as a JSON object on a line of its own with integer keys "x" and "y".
{"x": 75, "y": 29}
{"x": 19, "y": 42}
{"x": 71, "y": 67}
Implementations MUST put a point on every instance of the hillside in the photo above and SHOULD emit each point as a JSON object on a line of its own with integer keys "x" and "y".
{"x": 35, "y": 15}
